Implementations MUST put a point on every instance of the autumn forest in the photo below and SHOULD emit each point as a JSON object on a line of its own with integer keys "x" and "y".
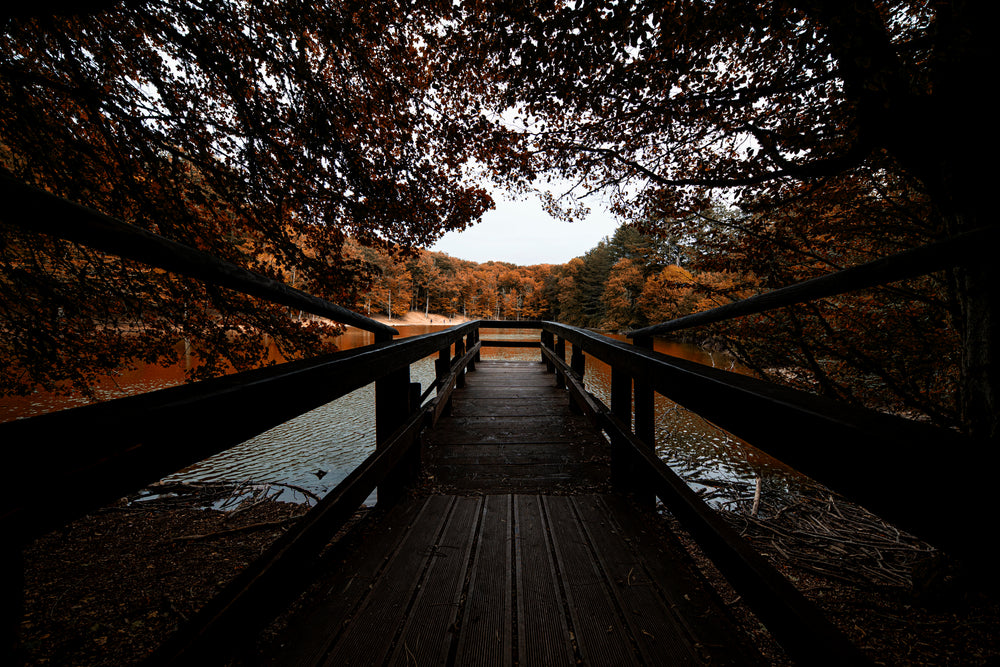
{"x": 745, "y": 145}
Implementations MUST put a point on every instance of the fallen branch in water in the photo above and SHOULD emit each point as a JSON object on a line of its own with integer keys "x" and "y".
{"x": 823, "y": 534}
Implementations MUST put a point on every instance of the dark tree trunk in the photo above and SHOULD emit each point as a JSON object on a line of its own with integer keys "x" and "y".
{"x": 979, "y": 328}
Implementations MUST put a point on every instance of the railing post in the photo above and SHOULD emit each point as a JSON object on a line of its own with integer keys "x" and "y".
{"x": 560, "y": 354}
{"x": 578, "y": 364}
{"x": 392, "y": 407}
{"x": 459, "y": 352}
{"x": 471, "y": 342}
{"x": 577, "y": 361}
{"x": 645, "y": 422}
{"x": 442, "y": 366}
{"x": 475, "y": 340}
{"x": 621, "y": 407}
{"x": 547, "y": 341}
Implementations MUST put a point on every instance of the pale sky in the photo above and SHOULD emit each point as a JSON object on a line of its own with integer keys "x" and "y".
{"x": 522, "y": 232}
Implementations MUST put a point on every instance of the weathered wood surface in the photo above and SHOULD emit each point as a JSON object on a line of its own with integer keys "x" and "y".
{"x": 512, "y": 579}
{"x": 519, "y": 555}
{"x": 511, "y": 429}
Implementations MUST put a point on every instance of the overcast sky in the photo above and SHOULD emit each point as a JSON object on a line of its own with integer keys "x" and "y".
{"x": 522, "y": 232}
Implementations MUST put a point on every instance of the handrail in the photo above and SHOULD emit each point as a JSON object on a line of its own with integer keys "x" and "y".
{"x": 109, "y": 454}
{"x": 854, "y": 451}
{"x": 961, "y": 249}
{"x": 797, "y": 624}
{"x": 259, "y": 592}
{"x": 97, "y": 453}
{"x": 40, "y": 211}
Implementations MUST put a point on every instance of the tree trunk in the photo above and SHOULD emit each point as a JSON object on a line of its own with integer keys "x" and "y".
{"x": 979, "y": 330}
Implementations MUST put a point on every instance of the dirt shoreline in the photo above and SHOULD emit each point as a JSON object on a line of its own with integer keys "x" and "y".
{"x": 417, "y": 318}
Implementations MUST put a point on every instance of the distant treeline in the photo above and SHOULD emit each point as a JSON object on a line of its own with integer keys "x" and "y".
{"x": 627, "y": 280}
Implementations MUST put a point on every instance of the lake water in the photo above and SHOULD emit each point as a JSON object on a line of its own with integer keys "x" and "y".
{"x": 320, "y": 448}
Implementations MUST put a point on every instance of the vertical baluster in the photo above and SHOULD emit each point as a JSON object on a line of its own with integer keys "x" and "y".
{"x": 621, "y": 407}
{"x": 578, "y": 362}
{"x": 459, "y": 353}
{"x": 579, "y": 365}
{"x": 560, "y": 354}
{"x": 546, "y": 343}
{"x": 645, "y": 420}
{"x": 472, "y": 338}
{"x": 442, "y": 366}
{"x": 392, "y": 407}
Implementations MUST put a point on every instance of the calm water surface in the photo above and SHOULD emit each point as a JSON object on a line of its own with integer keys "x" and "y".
{"x": 318, "y": 449}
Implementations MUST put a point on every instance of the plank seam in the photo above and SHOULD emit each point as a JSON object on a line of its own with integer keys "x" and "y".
{"x": 428, "y": 559}
{"x": 609, "y": 584}
{"x": 466, "y": 583}
{"x": 512, "y": 508}
{"x": 665, "y": 597}
{"x": 323, "y": 654}
{"x": 564, "y": 594}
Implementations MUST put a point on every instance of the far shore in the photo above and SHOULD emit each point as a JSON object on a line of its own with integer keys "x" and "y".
{"x": 416, "y": 317}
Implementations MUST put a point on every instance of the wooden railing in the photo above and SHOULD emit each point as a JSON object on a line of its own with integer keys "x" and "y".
{"x": 92, "y": 455}
{"x": 104, "y": 451}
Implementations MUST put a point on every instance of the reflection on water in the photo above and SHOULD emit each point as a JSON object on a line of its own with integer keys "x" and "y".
{"x": 318, "y": 449}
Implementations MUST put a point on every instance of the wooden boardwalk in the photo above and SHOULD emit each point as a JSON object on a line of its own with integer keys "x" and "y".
{"x": 519, "y": 554}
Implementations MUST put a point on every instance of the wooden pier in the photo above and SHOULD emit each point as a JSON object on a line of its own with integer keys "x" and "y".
{"x": 521, "y": 554}
{"x": 523, "y": 544}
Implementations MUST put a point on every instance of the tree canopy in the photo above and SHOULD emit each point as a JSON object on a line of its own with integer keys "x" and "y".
{"x": 270, "y": 133}
{"x": 264, "y": 133}
{"x": 663, "y": 104}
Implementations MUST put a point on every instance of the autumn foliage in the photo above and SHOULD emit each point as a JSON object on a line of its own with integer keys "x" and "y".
{"x": 323, "y": 142}
{"x": 265, "y": 134}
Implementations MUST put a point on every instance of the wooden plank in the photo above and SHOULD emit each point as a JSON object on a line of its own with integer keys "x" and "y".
{"x": 486, "y": 630}
{"x": 537, "y": 478}
{"x": 526, "y": 407}
{"x": 365, "y": 639}
{"x": 660, "y": 636}
{"x": 512, "y": 365}
{"x": 488, "y": 369}
{"x": 428, "y": 633}
{"x": 543, "y": 634}
{"x": 553, "y": 452}
{"x": 667, "y": 568}
{"x": 500, "y": 393}
{"x": 346, "y": 583}
{"x": 511, "y": 343}
{"x": 511, "y": 429}
{"x": 477, "y": 450}
{"x": 601, "y": 637}
{"x": 512, "y": 379}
